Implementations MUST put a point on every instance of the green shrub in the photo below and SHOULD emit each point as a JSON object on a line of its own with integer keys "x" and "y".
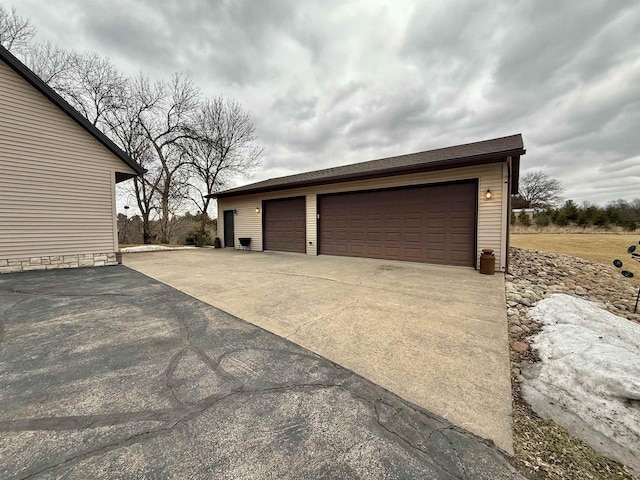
{"x": 600, "y": 219}
{"x": 559, "y": 218}
{"x": 542, "y": 219}
{"x": 570, "y": 210}
{"x": 524, "y": 219}
{"x": 195, "y": 237}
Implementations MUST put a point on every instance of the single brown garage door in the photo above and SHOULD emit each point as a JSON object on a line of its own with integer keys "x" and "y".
{"x": 285, "y": 225}
{"x": 431, "y": 224}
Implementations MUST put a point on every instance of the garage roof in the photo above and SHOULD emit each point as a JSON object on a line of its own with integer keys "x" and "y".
{"x": 36, "y": 82}
{"x": 477, "y": 153}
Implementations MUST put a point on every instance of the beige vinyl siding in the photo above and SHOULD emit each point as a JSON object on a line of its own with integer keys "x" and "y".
{"x": 312, "y": 223}
{"x": 491, "y": 213}
{"x": 56, "y": 180}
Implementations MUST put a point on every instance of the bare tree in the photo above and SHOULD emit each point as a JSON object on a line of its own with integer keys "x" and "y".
{"x": 16, "y": 32}
{"x": 49, "y": 62}
{"x": 223, "y": 146}
{"x": 538, "y": 190}
{"x": 44, "y": 59}
{"x": 125, "y": 128}
{"x": 91, "y": 84}
{"x": 144, "y": 189}
{"x": 189, "y": 149}
{"x": 166, "y": 121}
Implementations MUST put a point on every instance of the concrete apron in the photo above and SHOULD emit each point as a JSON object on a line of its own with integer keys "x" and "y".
{"x": 436, "y": 336}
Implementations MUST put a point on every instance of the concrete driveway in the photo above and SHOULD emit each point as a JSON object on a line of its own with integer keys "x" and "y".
{"x": 436, "y": 336}
{"x": 105, "y": 373}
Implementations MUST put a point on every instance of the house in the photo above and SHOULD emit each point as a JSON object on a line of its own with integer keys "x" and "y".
{"x": 440, "y": 206}
{"x": 57, "y": 181}
{"x": 529, "y": 212}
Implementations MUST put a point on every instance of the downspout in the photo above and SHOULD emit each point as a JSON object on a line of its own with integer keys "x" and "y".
{"x": 506, "y": 263}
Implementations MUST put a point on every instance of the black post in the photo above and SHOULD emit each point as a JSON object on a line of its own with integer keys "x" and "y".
{"x": 637, "y": 298}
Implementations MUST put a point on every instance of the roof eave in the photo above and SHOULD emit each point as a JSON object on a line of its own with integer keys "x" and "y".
{"x": 493, "y": 157}
{"x": 36, "y": 82}
{"x": 122, "y": 176}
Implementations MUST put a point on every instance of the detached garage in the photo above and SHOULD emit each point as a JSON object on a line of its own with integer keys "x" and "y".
{"x": 440, "y": 206}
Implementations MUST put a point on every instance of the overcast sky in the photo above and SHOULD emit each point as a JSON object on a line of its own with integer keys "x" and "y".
{"x": 335, "y": 82}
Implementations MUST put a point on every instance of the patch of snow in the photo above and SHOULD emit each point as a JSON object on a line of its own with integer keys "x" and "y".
{"x": 588, "y": 379}
{"x": 152, "y": 248}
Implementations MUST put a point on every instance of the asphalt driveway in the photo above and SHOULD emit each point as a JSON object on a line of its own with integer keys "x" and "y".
{"x": 106, "y": 373}
{"x": 436, "y": 336}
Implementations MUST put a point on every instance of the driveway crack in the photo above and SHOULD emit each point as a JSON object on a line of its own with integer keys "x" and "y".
{"x": 324, "y": 315}
{"x": 185, "y": 416}
{"x": 431, "y": 457}
{"x": 81, "y": 422}
{"x": 371, "y": 288}
{"x": 212, "y": 364}
{"x": 171, "y": 370}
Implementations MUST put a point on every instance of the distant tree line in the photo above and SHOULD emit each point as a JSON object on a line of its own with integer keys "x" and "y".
{"x": 543, "y": 195}
{"x": 183, "y": 229}
{"x": 191, "y": 146}
{"x": 619, "y": 213}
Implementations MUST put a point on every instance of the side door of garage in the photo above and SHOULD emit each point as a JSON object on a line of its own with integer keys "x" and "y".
{"x": 284, "y": 224}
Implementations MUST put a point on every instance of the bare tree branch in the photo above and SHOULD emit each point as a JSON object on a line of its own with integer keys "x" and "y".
{"x": 222, "y": 147}
{"x": 125, "y": 128}
{"x": 49, "y": 62}
{"x": 16, "y": 32}
{"x": 92, "y": 85}
{"x": 166, "y": 120}
{"x": 538, "y": 190}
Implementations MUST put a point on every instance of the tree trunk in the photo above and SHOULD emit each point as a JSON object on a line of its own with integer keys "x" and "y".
{"x": 203, "y": 223}
{"x": 146, "y": 229}
{"x": 164, "y": 221}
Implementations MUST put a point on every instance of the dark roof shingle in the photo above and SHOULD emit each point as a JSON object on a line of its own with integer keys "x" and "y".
{"x": 478, "y": 153}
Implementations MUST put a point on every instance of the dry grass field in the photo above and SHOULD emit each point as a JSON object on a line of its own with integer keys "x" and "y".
{"x": 597, "y": 247}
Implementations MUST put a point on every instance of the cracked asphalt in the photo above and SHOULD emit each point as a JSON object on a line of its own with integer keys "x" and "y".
{"x": 106, "y": 373}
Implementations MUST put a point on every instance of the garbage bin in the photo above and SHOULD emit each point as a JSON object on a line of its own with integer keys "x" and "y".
{"x": 487, "y": 262}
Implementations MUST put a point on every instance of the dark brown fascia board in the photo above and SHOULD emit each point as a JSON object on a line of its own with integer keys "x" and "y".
{"x": 36, "y": 82}
{"x": 427, "y": 167}
{"x": 515, "y": 174}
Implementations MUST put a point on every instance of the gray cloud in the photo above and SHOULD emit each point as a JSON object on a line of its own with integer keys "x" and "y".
{"x": 331, "y": 82}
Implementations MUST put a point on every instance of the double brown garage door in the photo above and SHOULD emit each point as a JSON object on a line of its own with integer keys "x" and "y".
{"x": 432, "y": 224}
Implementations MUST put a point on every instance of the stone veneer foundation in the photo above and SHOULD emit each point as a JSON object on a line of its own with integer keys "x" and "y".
{"x": 53, "y": 262}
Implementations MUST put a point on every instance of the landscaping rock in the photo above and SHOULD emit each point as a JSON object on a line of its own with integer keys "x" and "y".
{"x": 535, "y": 275}
{"x": 519, "y": 347}
{"x": 516, "y": 330}
{"x": 540, "y": 444}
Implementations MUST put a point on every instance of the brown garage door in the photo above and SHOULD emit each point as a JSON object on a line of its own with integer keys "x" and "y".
{"x": 285, "y": 225}
{"x": 432, "y": 224}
